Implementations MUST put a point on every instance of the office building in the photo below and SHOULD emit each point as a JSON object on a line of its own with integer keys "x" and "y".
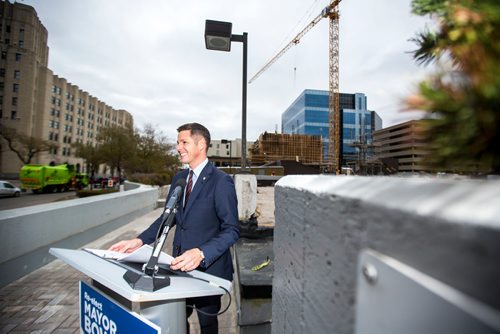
{"x": 225, "y": 152}
{"x": 39, "y": 104}
{"x": 402, "y": 146}
{"x": 308, "y": 115}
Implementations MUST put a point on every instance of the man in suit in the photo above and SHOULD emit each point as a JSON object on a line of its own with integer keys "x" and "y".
{"x": 206, "y": 221}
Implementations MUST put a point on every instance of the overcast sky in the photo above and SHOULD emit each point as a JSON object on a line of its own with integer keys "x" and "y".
{"x": 149, "y": 58}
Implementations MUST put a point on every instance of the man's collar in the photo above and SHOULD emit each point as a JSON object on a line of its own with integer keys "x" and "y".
{"x": 197, "y": 170}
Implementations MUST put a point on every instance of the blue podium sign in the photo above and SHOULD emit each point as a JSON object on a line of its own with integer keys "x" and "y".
{"x": 101, "y": 315}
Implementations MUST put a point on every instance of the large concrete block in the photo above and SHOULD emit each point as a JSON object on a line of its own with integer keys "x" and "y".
{"x": 448, "y": 229}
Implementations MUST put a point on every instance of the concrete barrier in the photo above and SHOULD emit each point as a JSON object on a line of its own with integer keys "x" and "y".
{"x": 246, "y": 191}
{"x": 447, "y": 229}
{"x": 27, "y": 233}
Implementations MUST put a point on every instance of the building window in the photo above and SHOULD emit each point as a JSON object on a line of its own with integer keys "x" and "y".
{"x": 21, "y": 43}
{"x": 14, "y": 101}
{"x": 17, "y": 74}
{"x": 18, "y": 57}
{"x": 2, "y": 72}
{"x": 4, "y": 54}
{"x": 13, "y": 114}
{"x": 15, "y": 88}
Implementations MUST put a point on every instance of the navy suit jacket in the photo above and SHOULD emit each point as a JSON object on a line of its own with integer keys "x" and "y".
{"x": 208, "y": 222}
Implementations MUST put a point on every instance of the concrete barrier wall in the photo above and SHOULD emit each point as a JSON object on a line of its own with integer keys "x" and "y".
{"x": 447, "y": 229}
{"x": 28, "y": 233}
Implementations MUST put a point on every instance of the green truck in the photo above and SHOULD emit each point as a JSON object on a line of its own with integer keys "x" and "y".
{"x": 44, "y": 178}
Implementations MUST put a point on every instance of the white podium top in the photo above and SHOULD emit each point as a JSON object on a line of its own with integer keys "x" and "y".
{"x": 110, "y": 275}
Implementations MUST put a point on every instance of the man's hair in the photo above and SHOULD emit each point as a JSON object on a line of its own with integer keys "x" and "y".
{"x": 196, "y": 130}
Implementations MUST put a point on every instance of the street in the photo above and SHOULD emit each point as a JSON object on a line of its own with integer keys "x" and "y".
{"x": 28, "y": 198}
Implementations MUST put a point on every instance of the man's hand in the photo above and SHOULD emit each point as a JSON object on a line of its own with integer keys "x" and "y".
{"x": 189, "y": 260}
{"x": 126, "y": 246}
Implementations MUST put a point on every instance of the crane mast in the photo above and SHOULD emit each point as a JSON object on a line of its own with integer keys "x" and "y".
{"x": 334, "y": 140}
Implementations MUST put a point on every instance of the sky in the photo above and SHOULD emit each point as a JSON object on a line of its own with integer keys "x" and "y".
{"x": 149, "y": 58}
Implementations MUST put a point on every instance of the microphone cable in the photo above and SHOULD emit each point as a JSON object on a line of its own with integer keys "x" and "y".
{"x": 218, "y": 286}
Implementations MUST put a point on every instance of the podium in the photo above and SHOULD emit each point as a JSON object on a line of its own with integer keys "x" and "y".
{"x": 165, "y": 308}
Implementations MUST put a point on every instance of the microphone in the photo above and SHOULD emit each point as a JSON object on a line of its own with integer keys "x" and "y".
{"x": 176, "y": 195}
{"x": 149, "y": 280}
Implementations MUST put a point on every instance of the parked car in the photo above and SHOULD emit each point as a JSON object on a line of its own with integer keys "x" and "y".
{"x": 8, "y": 189}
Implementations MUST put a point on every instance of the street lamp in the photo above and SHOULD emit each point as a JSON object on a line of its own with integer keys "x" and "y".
{"x": 218, "y": 36}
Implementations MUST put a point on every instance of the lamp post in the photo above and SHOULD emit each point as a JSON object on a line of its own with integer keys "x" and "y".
{"x": 218, "y": 36}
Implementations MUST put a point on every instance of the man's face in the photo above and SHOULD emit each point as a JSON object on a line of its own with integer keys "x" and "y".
{"x": 191, "y": 149}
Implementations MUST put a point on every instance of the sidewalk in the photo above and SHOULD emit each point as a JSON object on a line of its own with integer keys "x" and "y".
{"x": 46, "y": 301}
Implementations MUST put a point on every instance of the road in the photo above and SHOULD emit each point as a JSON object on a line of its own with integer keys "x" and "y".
{"x": 29, "y": 199}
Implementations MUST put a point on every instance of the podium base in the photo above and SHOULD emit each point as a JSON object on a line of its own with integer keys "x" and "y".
{"x": 144, "y": 282}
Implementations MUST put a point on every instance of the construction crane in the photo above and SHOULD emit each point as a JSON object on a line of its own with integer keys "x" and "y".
{"x": 330, "y": 11}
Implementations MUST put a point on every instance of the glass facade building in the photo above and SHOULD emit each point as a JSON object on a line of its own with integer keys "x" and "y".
{"x": 308, "y": 115}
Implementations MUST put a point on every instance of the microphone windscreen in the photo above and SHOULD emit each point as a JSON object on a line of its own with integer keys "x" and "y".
{"x": 181, "y": 182}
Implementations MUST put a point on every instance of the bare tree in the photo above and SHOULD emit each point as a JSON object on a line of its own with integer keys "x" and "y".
{"x": 25, "y": 147}
{"x": 116, "y": 146}
{"x": 90, "y": 153}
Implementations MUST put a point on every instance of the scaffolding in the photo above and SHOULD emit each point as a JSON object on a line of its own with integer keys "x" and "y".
{"x": 270, "y": 147}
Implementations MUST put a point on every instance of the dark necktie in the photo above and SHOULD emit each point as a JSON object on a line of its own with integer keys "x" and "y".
{"x": 189, "y": 186}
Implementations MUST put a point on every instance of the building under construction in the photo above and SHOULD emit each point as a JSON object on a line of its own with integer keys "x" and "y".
{"x": 271, "y": 147}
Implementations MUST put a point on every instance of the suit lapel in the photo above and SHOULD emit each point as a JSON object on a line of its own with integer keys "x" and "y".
{"x": 198, "y": 187}
{"x": 183, "y": 175}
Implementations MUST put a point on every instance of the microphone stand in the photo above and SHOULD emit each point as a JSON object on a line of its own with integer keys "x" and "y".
{"x": 149, "y": 280}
